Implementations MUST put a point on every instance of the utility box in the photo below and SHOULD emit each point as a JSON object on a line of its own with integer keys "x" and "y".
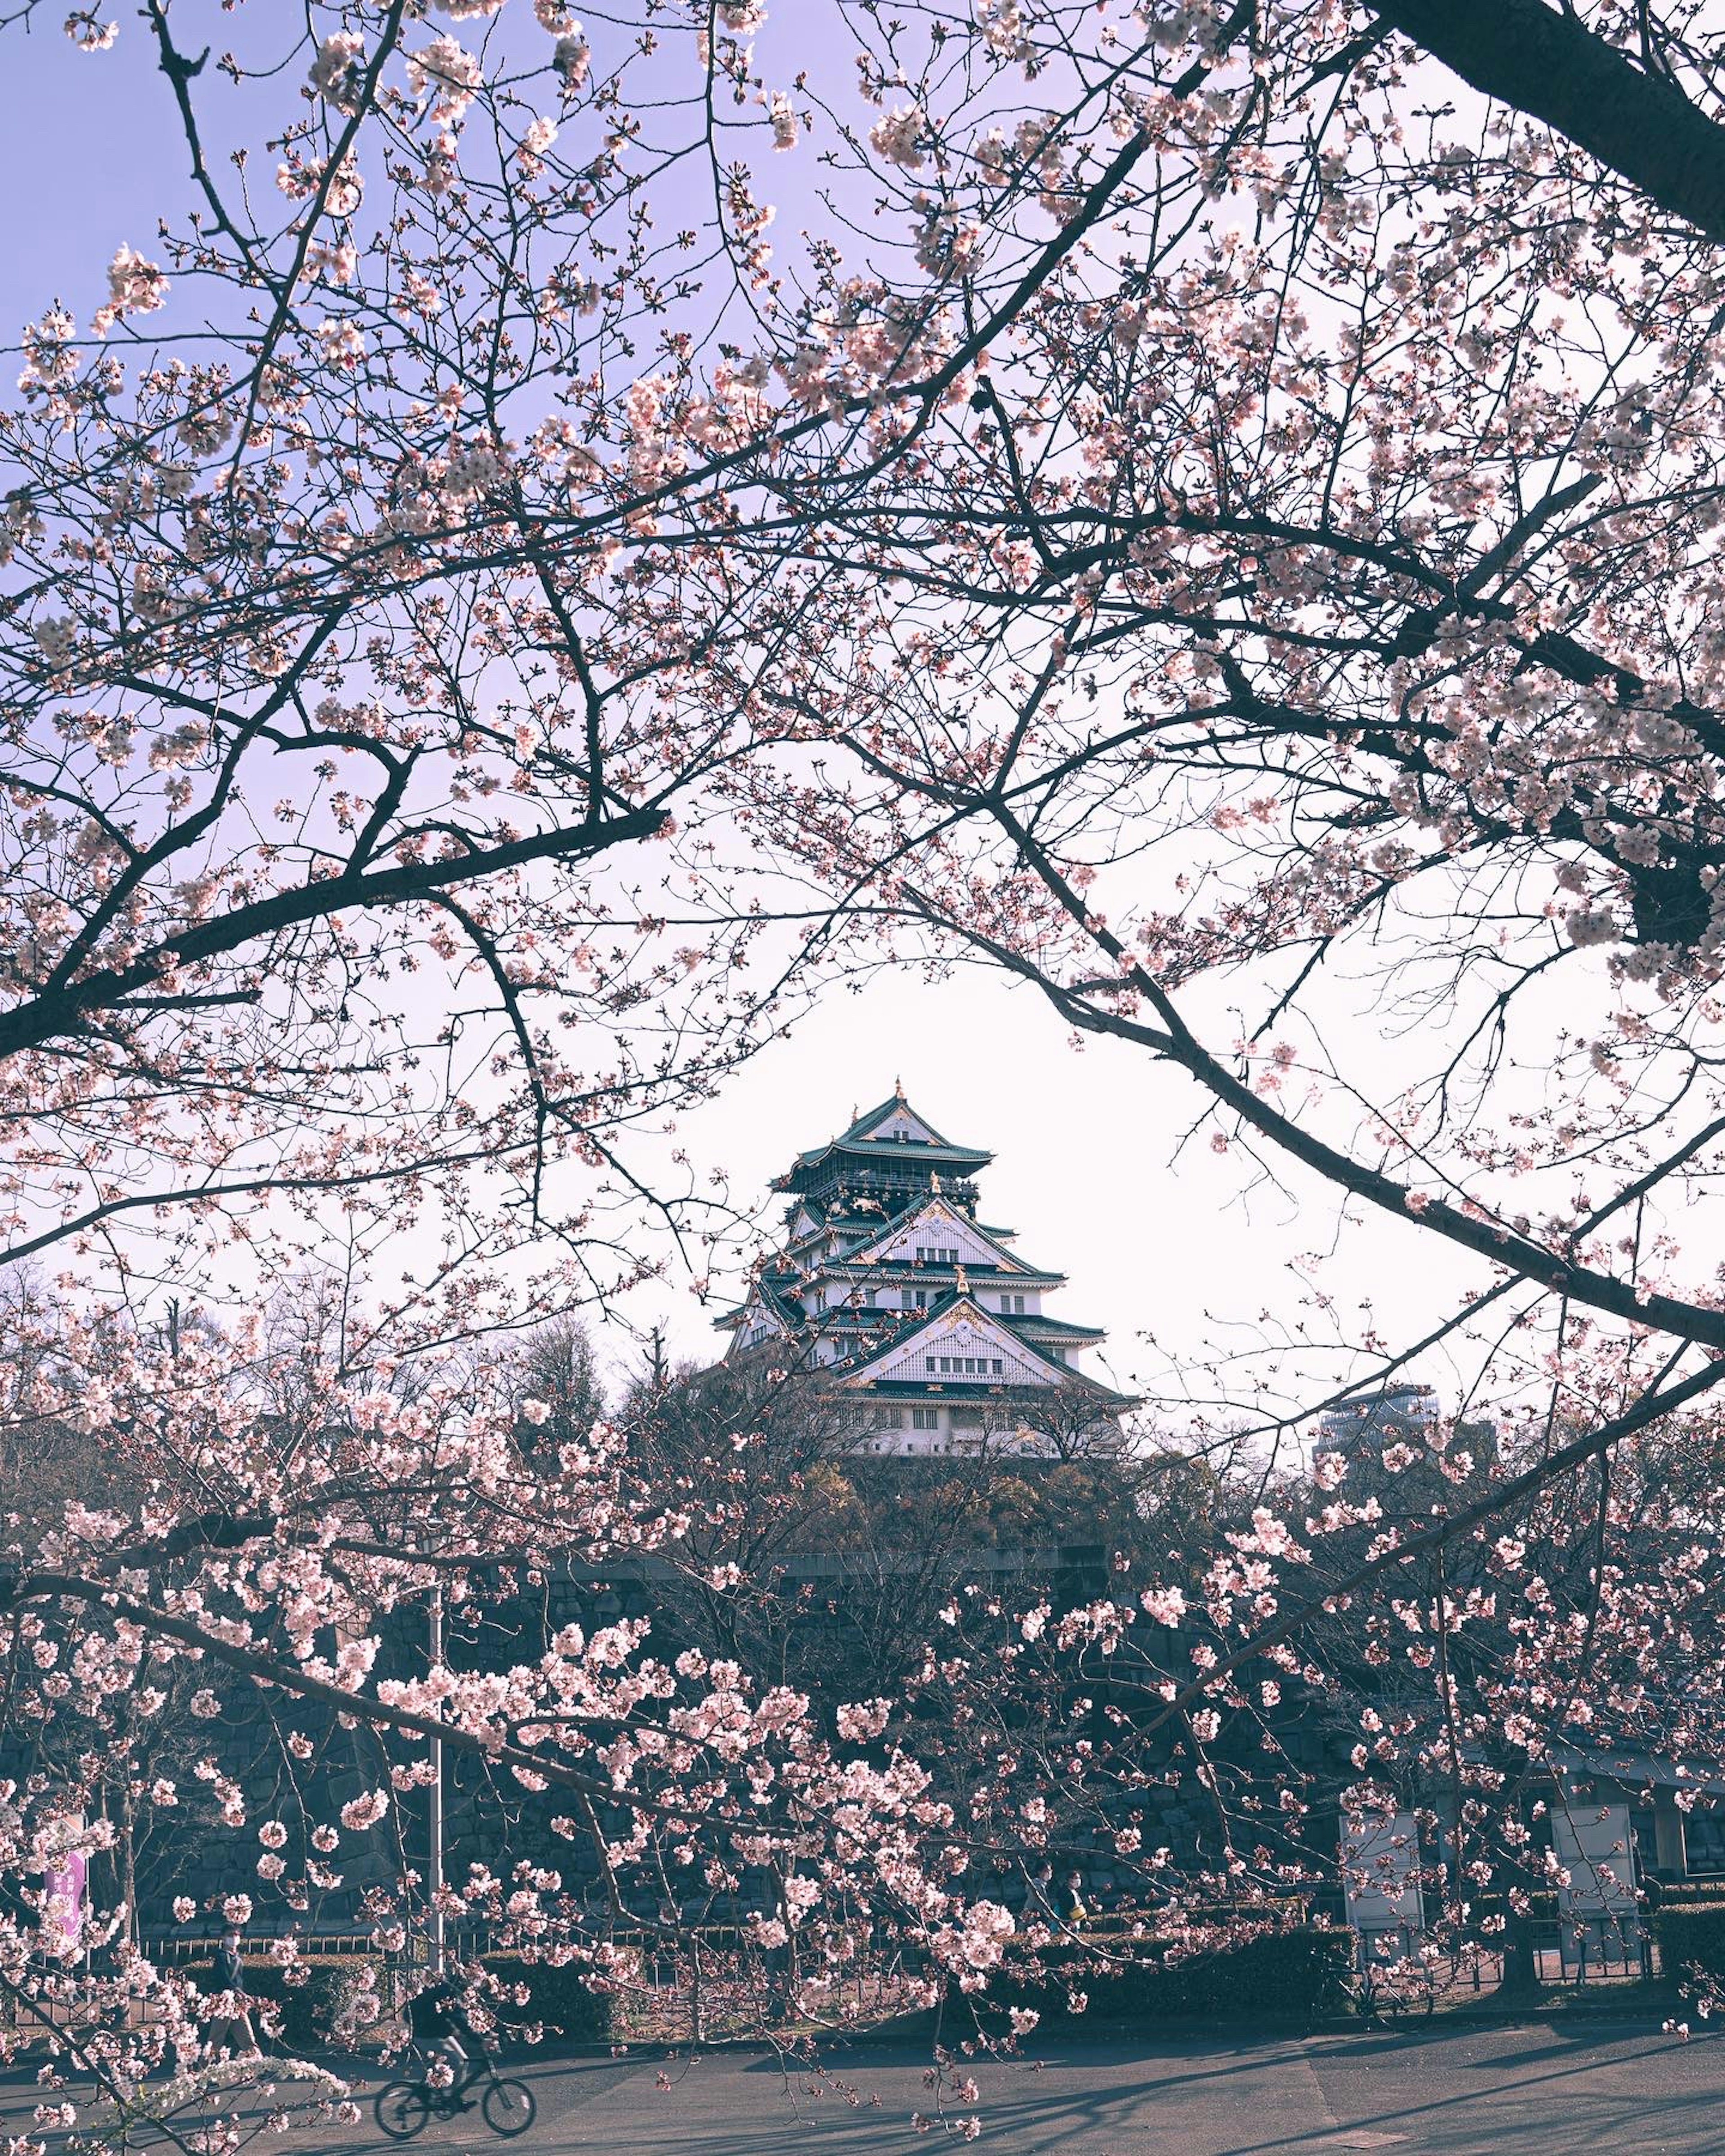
{"x": 1380, "y": 1883}
{"x": 1597, "y": 1911}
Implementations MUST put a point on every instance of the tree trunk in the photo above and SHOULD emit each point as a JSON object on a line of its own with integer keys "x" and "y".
{"x": 1521, "y": 1971}
{"x": 1545, "y": 61}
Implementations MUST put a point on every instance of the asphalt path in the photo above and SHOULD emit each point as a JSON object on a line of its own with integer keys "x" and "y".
{"x": 1570, "y": 2085}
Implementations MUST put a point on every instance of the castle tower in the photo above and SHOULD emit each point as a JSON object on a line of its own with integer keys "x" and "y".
{"x": 909, "y": 1307}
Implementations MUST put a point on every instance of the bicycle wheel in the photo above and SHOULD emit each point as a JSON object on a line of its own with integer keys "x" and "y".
{"x": 402, "y": 2109}
{"x": 508, "y": 2106}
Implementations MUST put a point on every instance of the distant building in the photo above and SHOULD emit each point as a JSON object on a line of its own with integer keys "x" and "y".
{"x": 1393, "y": 1414}
{"x": 1400, "y": 1447}
{"x": 928, "y": 1320}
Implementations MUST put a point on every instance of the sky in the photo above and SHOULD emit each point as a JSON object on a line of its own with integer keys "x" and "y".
{"x": 1165, "y": 1253}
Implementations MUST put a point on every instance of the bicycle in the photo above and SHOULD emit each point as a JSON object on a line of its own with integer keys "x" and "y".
{"x": 404, "y": 2107}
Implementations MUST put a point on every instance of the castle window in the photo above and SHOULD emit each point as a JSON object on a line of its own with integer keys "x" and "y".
{"x": 925, "y": 1418}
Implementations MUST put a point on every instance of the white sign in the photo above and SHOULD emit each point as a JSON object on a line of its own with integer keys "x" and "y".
{"x": 1380, "y": 1873}
{"x": 1592, "y": 1843}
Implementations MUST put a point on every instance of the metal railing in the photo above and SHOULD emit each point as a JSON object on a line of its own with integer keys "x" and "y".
{"x": 169, "y": 1952}
{"x": 1594, "y": 1954}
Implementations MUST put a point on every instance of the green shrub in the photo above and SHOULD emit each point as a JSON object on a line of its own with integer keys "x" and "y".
{"x": 557, "y": 1997}
{"x": 1682, "y": 1892}
{"x": 1692, "y": 1937}
{"x": 1297, "y": 1973}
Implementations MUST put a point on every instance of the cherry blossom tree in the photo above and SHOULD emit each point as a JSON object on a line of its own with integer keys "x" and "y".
{"x": 1207, "y": 508}
{"x": 399, "y": 541}
{"x": 1295, "y": 660}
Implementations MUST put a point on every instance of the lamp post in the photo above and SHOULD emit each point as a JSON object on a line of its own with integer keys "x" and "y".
{"x": 434, "y": 1801}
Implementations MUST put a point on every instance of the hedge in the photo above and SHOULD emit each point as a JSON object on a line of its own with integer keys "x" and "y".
{"x": 557, "y": 1998}
{"x": 311, "y": 2011}
{"x": 1690, "y": 1938}
{"x": 1297, "y": 1972}
{"x": 1682, "y": 1892}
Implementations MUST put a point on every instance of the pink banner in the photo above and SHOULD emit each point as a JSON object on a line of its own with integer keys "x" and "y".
{"x": 64, "y": 1883}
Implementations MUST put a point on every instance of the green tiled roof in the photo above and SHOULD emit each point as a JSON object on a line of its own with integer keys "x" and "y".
{"x": 895, "y": 1149}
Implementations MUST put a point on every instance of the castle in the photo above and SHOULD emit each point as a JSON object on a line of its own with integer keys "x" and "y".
{"x": 910, "y": 1308}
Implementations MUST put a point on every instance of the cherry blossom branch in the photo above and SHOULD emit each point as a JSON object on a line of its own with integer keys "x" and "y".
{"x": 1175, "y": 1043}
{"x": 28, "y": 1025}
{"x": 1653, "y": 1407}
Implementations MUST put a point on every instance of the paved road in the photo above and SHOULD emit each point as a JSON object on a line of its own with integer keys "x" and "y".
{"x": 1573, "y": 2087}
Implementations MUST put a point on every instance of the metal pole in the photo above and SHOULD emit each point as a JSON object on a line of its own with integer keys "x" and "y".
{"x": 435, "y": 1799}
